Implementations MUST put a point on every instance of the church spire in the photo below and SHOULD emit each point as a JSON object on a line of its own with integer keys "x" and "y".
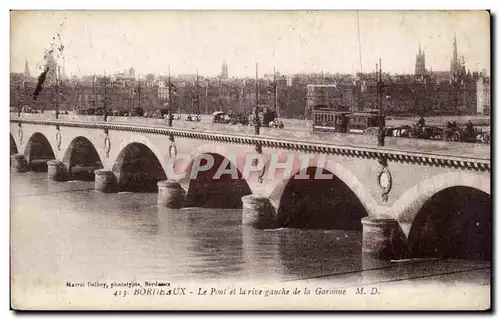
{"x": 454, "y": 65}
{"x": 455, "y": 50}
{"x": 420, "y": 61}
{"x": 26, "y": 70}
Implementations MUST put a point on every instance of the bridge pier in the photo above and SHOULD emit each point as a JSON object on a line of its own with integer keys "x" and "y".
{"x": 379, "y": 238}
{"x": 105, "y": 181}
{"x": 258, "y": 212}
{"x": 56, "y": 170}
{"x": 19, "y": 163}
{"x": 170, "y": 194}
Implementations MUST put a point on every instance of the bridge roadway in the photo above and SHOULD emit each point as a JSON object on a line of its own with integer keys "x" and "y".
{"x": 429, "y": 192}
{"x": 296, "y": 130}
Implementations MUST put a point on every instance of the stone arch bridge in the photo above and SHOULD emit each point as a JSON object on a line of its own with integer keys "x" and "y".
{"x": 424, "y": 194}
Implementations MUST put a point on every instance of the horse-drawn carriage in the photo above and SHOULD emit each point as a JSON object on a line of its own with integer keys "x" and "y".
{"x": 276, "y": 123}
{"x": 467, "y": 133}
{"x": 426, "y": 132}
{"x": 239, "y": 118}
{"x": 451, "y": 132}
{"x": 196, "y": 118}
{"x": 220, "y": 117}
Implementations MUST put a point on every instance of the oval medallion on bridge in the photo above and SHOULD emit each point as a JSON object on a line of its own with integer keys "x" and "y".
{"x": 58, "y": 138}
{"x": 385, "y": 183}
{"x": 20, "y": 134}
{"x": 107, "y": 144}
{"x": 384, "y": 180}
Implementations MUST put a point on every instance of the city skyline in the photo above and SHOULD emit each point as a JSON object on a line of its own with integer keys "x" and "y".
{"x": 292, "y": 41}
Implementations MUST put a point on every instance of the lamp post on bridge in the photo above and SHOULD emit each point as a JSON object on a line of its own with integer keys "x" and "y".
{"x": 381, "y": 123}
{"x": 169, "y": 116}
{"x": 275, "y": 100}
{"x": 197, "y": 97}
{"x": 256, "y": 119}
{"x": 93, "y": 92}
{"x": 18, "y": 99}
{"x": 57, "y": 76}
{"x": 105, "y": 97}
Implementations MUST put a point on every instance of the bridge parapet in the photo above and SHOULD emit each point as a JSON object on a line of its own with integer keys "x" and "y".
{"x": 430, "y": 153}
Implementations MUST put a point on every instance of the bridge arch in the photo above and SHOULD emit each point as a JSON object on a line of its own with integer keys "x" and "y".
{"x": 277, "y": 187}
{"x": 406, "y": 208}
{"x": 342, "y": 193}
{"x": 456, "y": 222}
{"x": 82, "y": 159}
{"x": 38, "y": 151}
{"x": 203, "y": 190}
{"x": 138, "y": 168}
{"x": 13, "y": 146}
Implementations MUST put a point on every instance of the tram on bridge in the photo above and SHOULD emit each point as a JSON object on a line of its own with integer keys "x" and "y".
{"x": 332, "y": 120}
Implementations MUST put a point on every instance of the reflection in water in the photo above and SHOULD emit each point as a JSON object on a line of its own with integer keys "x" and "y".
{"x": 316, "y": 252}
{"x": 67, "y": 231}
{"x": 260, "y": 249}
{"x": 220, "y": 251}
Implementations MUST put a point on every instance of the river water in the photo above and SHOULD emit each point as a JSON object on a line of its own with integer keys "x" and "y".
{"x": 68, "y": 232}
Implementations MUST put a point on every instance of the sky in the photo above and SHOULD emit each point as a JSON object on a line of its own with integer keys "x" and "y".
{"x": 292, "y": 41}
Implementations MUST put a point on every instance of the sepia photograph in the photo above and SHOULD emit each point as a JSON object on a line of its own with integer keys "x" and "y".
{"x": 250, "y": 160}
